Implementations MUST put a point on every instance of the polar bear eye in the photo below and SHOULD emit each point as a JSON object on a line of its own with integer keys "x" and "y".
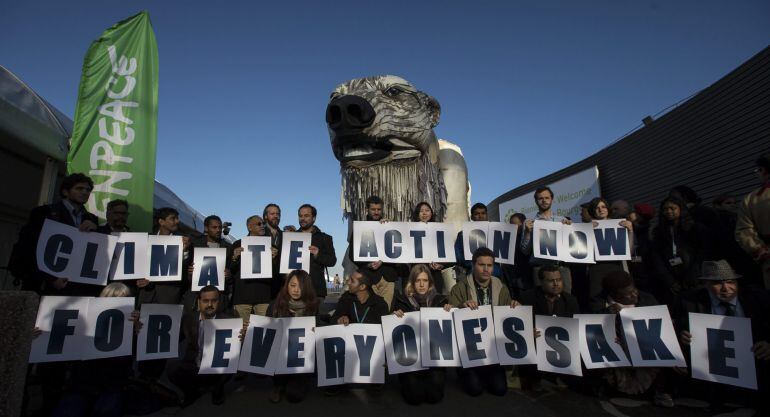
{"x": 393, "y": 91}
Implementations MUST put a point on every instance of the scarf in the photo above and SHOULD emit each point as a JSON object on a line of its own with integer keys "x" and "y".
{"x": 422, "y": 300}
{"x": 297, "y": 307}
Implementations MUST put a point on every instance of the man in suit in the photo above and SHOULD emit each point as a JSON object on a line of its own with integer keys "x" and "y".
{"x": 721, "y": 295}
{"x": 75, "y": 189}
{"x": 186, "y": 376}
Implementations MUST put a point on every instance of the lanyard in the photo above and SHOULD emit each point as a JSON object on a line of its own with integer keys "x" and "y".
{"x": 673, "y": 243}
{"x": 361, "y": 319}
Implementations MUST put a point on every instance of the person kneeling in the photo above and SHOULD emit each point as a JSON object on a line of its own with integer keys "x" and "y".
{"x": 186, "y": 376}
{"x": 477, "y": 289}
{"x": 428, "y": 385}
{"x": 297, "y": 298}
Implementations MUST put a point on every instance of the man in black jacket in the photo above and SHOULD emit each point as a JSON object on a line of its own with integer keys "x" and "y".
{"x": 322, "y": 254}
{"x": 384, "y": 275}
{"x": 212, "y": 238}
{"x": 117, "y": 216}
{"x": 359, "y": 304}
{"x": 186, "y": 376}
{"x": 272, "y": 216}
{"x": 721, "y": 295}
{"x": 547, "y": 299}
{"x": 550, "y": 299}
{"x": 164, "y": 292}
{"x": 167, "y": 292}
{"x": 618, "y": 292}
{"x": 74, "y": 191}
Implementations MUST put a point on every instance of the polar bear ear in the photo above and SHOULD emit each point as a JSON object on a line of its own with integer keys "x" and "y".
{"x": 433, "y": 107}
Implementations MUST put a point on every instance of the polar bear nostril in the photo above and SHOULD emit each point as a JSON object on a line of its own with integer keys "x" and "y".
{"x": 354, "y": 111}
{"x": 333, "y": 115}
{"x": 349, "y": 113}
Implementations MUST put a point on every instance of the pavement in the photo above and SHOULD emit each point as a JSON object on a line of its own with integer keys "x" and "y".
{"x": 249, "y": 397}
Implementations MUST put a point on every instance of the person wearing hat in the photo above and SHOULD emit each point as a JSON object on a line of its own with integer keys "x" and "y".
{"x": 722, "y": 295}
{"x": 752, "y": 228}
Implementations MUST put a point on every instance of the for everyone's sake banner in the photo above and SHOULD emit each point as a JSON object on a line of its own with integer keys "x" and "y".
{"x": 116, "y": 119}
{"x": 261, "y": 345}
{"x": 558, "y": 345}
{"x": 82, "y": 328}
{"x": 598, "y": 346}
{"x": 221, "y": 346}
{"x": 656, "y": 341}
{"x": 720, "y": 350}
{"x": 581, "y": 243}
{"x": 158, "y": 337}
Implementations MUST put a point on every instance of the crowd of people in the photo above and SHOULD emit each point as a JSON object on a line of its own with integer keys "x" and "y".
{"x": 690, "y": 257}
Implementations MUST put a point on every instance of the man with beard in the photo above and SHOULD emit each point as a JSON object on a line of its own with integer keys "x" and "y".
{"x": 383, "y": 275}
{"x": 476, "y": 289}
{"x": 544, "y": 199}
{"x": 322, "y": 254}
{"x": 186, "y": 376}
{"x": 74, "y": 191}
{"x": 212, "y": 238}
{"x": 272, "y": 216}
{"x": 478, "y": 214}
{"x": 117, "y": 216}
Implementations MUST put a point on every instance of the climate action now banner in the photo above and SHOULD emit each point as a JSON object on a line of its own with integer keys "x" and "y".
{"x": 116, "y": 119}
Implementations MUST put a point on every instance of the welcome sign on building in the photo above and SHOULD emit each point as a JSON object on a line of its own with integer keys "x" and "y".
{"x": 568, "y": 194}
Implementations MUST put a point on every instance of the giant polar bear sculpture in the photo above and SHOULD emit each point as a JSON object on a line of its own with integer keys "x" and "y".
{"x": 381, "y": 131}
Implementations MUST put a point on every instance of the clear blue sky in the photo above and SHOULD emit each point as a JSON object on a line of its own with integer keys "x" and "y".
{"x": 526, "y": 88}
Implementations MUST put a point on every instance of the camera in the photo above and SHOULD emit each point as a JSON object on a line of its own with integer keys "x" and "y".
{"x": 226, "y": 228}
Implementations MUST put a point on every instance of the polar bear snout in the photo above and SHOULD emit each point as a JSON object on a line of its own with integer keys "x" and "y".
{"x": 349, "y": 114}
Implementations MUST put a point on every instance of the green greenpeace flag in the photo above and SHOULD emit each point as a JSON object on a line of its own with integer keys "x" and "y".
{"x": 116, "y": 120}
